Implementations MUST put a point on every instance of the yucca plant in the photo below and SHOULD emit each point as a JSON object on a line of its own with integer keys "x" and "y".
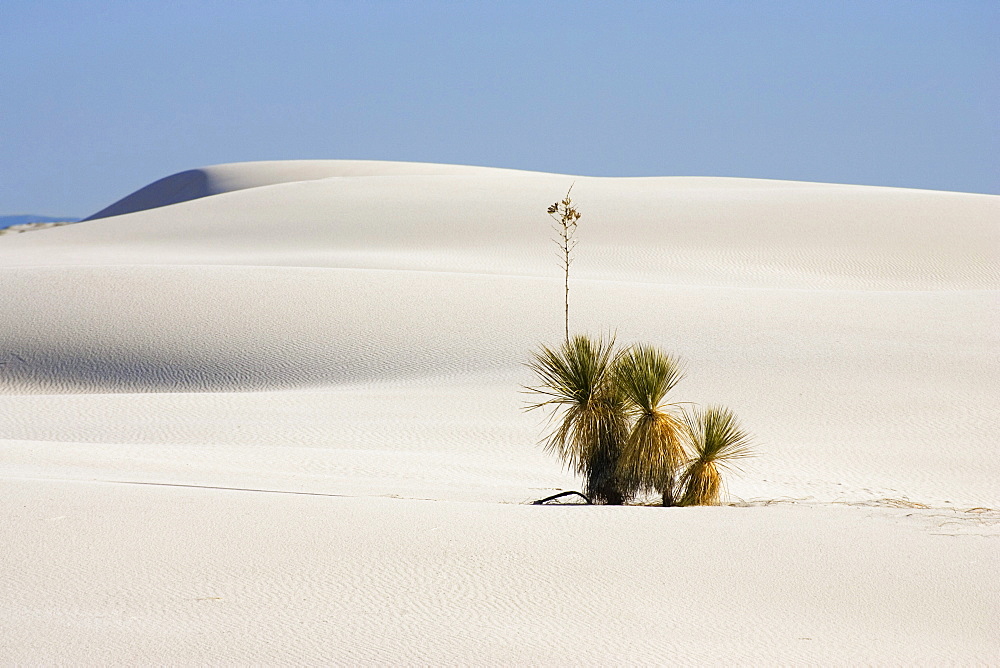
{"x": 718, "y": 442}
{"x": 612, "y": 425}
{"x": 656, "y": 445}
{"x": 591, "y": 419}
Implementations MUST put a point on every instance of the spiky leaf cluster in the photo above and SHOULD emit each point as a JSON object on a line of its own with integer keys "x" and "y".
{"x": 614, "y": 427}
{"x": 719, "y": 442}
{"x": 593, "y": 420}
{"x": 656, "y": 445}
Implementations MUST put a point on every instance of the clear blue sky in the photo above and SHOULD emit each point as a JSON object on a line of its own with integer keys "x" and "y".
{"x": 100, "y": 98}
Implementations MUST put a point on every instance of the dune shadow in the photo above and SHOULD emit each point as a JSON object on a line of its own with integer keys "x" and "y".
{"x": 59, "y": 371}
{"x": 173, "y": 189}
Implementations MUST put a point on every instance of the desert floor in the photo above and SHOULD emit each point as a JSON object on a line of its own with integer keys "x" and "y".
{"x": 273, "y": 413}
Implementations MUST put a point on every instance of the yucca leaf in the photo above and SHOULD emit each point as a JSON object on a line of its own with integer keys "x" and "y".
{"x": 646, "y": 375}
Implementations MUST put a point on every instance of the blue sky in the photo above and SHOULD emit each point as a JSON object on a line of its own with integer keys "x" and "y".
{"x": 100, "y": 98}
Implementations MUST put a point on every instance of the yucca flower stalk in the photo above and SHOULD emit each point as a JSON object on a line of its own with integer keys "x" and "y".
{"x": 590, "y": 413}
{"x": 718, "y": 442}
{"x": 657, "y": 441}
{"x": 566, "y": 218}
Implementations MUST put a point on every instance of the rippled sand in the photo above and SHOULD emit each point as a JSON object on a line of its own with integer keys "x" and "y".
{"x": 273, "y": 414}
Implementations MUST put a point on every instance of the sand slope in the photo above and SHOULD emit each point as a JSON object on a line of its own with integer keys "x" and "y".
{"x": 356, "y": 331}
{"x": 218, "y": 179}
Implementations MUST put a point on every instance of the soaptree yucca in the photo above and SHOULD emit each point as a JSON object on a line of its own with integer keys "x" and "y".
{"x": 591, "y": 422}
{"x": 718, "y": 441}
{"x": 654, "y": 450}
{"x": 612, "y": 425}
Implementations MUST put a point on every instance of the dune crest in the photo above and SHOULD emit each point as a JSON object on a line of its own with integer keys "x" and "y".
{"x": 217, "y": 179}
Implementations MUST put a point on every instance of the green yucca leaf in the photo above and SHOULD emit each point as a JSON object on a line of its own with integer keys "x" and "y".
{"x": 574, "y": 373}
{"x": 718, "y": 437}
{"x": 646, "y": 375}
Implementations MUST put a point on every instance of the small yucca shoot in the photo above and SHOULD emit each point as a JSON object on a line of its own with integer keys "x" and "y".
{"x": 718, "y": 442}
{"x": 656, "y": 445}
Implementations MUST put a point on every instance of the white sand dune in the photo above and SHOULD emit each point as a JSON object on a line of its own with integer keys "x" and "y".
{"x": 270, "y": 412}
{"x": 218, "y": 179}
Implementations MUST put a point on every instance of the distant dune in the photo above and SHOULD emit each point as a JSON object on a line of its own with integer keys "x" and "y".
{"x": 28, "y": 219}
{"x": 282, "y": 400}
{"x": 218, "y": 179}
